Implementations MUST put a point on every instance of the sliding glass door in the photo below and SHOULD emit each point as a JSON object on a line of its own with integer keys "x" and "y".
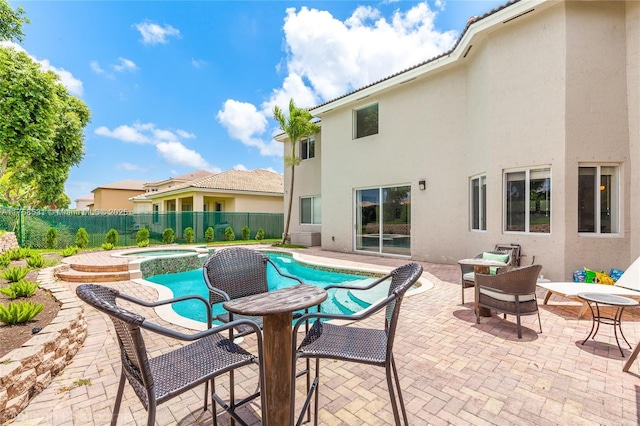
{"x": 383, "y": 220}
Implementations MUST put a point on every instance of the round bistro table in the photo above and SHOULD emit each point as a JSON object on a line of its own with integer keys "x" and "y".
{"x": 619, "y": 302}
{"x": 277, "y": 307}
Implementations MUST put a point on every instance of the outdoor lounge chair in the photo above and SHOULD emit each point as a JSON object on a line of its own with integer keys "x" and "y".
{"x": 354, "y": 343}
{"x": 513, "y": 250}
{"x": 158, "y": 379}
{"x": 511, "y": 292}
{"x": 628, "y": 285}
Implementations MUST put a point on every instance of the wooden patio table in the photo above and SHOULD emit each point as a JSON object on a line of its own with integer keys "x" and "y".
{"x": 277, "y": 307}
{"x": 480, "y": 266}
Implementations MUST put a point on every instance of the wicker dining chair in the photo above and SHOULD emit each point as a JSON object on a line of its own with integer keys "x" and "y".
{"x": 354, "y": 343}
{"x": 512, "y": 292}
{"x": 467, "y": 274}
{"x": 160, "y": 378}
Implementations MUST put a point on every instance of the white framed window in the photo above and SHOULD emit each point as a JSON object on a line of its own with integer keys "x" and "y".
{"x": 307, "y": 148}
{"x": 527, "y": 201}
{"x": 310, "y": 210}
{"x": 598, "y": 199}
{"x": 478, "y": 203}
{"x": 365, "y": 121}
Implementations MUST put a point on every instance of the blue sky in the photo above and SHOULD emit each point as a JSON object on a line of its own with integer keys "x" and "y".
{"x": 175, "y": 86}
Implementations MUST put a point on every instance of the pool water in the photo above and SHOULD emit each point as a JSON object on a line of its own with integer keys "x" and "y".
{"x": 192, "y": 282}
{"x": 156, "y": 253}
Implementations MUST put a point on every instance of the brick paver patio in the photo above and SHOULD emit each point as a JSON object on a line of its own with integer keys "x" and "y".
{"x": 452, "y": 370}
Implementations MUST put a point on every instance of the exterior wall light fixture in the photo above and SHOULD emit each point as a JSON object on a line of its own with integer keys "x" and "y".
{"x": 422, "y": 185}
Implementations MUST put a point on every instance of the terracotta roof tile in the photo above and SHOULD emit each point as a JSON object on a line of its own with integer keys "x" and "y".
{"x": 259, "y": 180}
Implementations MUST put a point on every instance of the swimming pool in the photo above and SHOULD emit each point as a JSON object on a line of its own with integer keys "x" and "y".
{"x": 168, "y": 252}
{"x": 338, "y": 301}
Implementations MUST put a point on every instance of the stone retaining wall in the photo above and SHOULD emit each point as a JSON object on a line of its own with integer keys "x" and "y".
{"x": 8, "y": 241}
{"x": 26, "y": 371}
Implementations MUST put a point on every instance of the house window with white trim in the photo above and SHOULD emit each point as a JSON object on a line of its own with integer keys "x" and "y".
{"x": 365, "y": 121}
{"x": 598, "y": 199}
{"x": 528, "y": 201}
{"x": 307, "y": 148}
{"x": 310, "y": 211}
{"x": 478, "y": 192}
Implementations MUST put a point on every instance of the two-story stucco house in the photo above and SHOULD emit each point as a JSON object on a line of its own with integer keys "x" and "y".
{"x": 527, "y": 131}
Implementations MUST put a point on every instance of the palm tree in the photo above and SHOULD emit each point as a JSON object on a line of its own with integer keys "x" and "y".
{"x": 297, "y": 126}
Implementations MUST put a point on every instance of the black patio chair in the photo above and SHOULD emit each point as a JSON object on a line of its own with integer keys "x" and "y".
{"x": 354, "y": 343}
{"x": 237, "y": 272}
{"x": 158, "y": 379}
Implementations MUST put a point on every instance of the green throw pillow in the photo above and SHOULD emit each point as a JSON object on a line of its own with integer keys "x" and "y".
{"x": 504, "y": 258}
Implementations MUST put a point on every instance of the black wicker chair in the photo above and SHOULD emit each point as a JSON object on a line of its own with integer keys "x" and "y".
{"x": 357, "y": 344}
{"x": 237, "y": 272}
{"x": 467, "y": 273}
{"x": 158, "y": 379}
{"x": 512, "y": 292}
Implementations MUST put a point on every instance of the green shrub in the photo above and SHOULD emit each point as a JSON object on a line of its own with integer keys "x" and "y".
{"x": 5, "y": 261}
{"x": 107, "y": 246}
{"x": 51, "y": 238}
{"x": 112, "y": 237}
{"x": 142, "y": 235}
{"x": 168, "y": 235}
{"x": 229, "y": 235}
{"x": 189, "y": 234}
{"x": 15, "y": 254}
{"x": 70, "y": 251}
{"x": 19, "y": 312}
{"x": 82, "y": 238}
{"x": 208, "y": 234}
{"x": 143, "y": 243}
{"x": 246, "y": 233}
{"x": 15, "y": 274}
{"x": 260, "y": 234}
{"x": 22, "y": 288}
{"x": 35, "y": 260}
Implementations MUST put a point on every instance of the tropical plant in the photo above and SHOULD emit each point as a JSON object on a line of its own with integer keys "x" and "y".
{"x": 246, "y": 233}
{"x": 19, "y": 312}
{"x": 22, "y": 288}
{"x": 229, "y": 235}
{"x": 107, "y": 246}
{"x": 15, "y": 273}
{"x": 189, "y": 234}
{"x": 297, "y": 126}
{"x": 141, "y": 236}
{"x": 70, "y": 251}
{"x": 260, "y": 234}
{"x": 18, "y": 253}
{"x": 35, "y": 261}
{"x": 112, "y": 237}
{"x": 51, "y": 238}
{"x": 82, "y": 238}
{"x": 209, "y": 234}
{"x": 5, "y": 261}
{"x": 168, "y": 235}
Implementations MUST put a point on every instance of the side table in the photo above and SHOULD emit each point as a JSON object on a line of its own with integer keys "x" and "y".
{"x": 619, "y": 302}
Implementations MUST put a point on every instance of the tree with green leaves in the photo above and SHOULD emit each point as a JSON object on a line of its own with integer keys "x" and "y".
{"x": 11, "y": 22}
{"x": 41, "y": 132}
{"x": 296, "y": 126}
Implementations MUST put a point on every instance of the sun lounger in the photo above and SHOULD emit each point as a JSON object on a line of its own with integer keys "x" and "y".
{"x": 628, "y": 285}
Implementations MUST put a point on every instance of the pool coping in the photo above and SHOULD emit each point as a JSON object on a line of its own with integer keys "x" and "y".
{"x": 167, "y": 313}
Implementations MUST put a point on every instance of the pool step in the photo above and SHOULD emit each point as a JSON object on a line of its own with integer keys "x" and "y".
{"x": 345, "y": 299}
{"x": 83, "y": 273}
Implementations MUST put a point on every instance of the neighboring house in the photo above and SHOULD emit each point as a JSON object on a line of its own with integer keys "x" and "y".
{"x": 143, "y": 204}
{"x": 114, "y": 197}
{"x": 84, "y": 203}
{"x": 250, "y": 191}
{"x": 527, "y": 131}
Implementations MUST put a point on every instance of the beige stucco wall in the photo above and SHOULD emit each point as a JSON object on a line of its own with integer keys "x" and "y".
{"x": 548, "y": 89}
{"x": 233, "y": 202}
{"x": 113, "y": 199}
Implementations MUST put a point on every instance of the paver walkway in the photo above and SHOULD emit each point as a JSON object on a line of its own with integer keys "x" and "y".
{"x": 452, "y": 370}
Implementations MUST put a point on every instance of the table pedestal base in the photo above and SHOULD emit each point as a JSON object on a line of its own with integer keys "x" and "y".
{"x": 277, "y": 365}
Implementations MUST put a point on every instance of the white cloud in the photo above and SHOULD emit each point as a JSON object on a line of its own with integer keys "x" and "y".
{"x": 240, "y": 167}
{"x": 156, "y": 34}
{"x": 177, "y": 154}
{"x": 73, "y": 85}
{"x": 125, "y": 64}
{"x": 198, "y": 63}
{"x": 244, "y": 122}
{"x": 167, "y": 142}
{"x": 95, "y": 67}
{"x": 131, "y": 167}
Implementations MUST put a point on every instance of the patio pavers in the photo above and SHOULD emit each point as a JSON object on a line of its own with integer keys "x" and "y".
{"x": 453, "y": 371}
